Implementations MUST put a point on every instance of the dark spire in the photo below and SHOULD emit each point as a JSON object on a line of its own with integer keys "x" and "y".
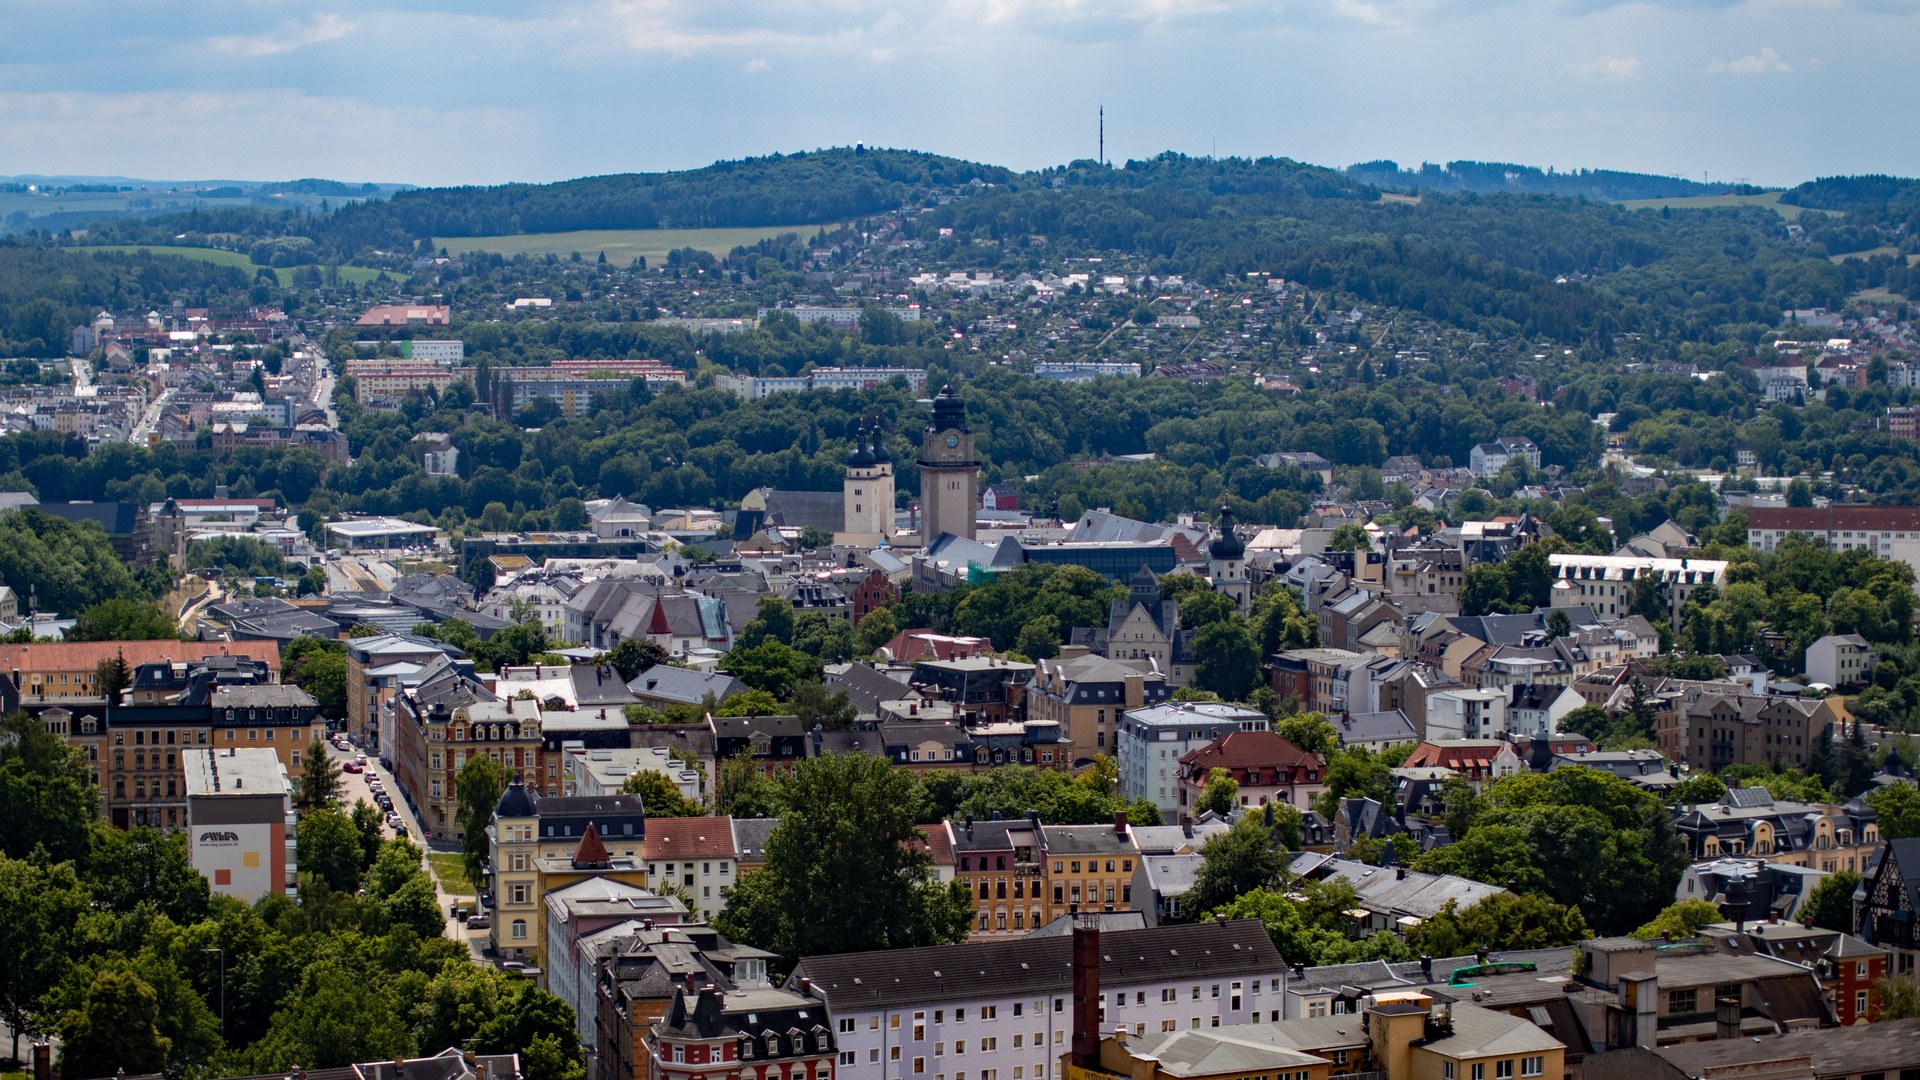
{"x": 1228, "y": 546}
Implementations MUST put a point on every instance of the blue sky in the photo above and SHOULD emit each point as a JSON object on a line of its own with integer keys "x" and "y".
{"x": 482, "y": 91}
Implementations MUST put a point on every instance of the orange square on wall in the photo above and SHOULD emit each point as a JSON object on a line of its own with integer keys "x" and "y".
{"x": 223, "y": 877}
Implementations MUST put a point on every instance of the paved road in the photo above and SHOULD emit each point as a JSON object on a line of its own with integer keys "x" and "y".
{"x": 354, "y": 787}
{"x": 151, "y": 417}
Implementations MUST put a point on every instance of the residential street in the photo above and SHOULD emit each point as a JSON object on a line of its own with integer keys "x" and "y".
{"x": 354, "y": 787}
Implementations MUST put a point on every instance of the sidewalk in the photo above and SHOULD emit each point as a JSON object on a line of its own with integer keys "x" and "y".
{"x": 354, "y": 787}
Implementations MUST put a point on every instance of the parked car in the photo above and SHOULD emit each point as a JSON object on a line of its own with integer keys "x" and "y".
{"x": 400, "y": 831}
{"x": 359, "y": 759}
{"x": 353, "y": 767}
{"x": 512, "y": 965}
{"x": 479, "y": 922}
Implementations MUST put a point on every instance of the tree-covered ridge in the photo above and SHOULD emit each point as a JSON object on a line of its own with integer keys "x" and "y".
{"x": 1487, "y": 177}
{"x": 1852, "y": 192}
{"x": 46, "y": 292}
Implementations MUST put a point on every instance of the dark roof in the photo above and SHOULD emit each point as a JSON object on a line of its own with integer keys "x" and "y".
{"x": 113, "y": 517}
{"x": 514, "y": 802}
{"x": 684, "y": 685}
{"x": 1836, "y": 1051}
{"x": 799, "y": 509}
{"x": 1018, "y": 966}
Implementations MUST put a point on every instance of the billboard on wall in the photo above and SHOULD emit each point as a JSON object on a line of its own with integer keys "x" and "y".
{"x": 236, "y": 859}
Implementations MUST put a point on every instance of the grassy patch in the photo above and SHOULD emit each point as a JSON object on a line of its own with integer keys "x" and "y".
{"x": 452, "y": 872}
{"x": 359, "y": 275}
{"x": 1878, "y": 296}
{"x": 621, "y": 245}
{"x": 1769, "y": 199}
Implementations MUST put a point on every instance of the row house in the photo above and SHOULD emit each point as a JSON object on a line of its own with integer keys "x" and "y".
{"x": 1001, "y": 863}
{"x": 760, "y": 1034}
{"x": 1478, "y": 761}
{"x": 1890, "y": 899}
{"x": 981, "y": 688}
{"x": 1086, "y": 694}
{"x": 999, "y": 1009}
{"x": 1267, "y": 767}
{"x": 1749, "y": 823}
{"x": 1743, "y": 729}
{"x": 1604, "y": 583}
{"x": 638, "y": 967}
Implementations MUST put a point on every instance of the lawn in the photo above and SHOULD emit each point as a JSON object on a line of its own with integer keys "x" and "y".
{"x": 359, "y": 275}
{"x": 622, "y": 246}
{"x": 452, "y": 872}
{"x": 1769, "y": 199}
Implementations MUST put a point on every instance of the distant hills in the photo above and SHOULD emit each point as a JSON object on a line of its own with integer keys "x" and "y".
{"x": 1487, "y": 177}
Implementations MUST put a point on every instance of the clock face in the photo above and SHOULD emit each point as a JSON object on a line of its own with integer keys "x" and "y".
{"x": 953, "y": 440}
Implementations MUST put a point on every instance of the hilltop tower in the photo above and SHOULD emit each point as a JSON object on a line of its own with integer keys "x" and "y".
{"x": 949, "y": 476}
{"x": 868, "y": 488}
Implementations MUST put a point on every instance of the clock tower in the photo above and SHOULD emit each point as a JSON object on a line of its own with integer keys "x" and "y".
{"x": 949, "y": 476}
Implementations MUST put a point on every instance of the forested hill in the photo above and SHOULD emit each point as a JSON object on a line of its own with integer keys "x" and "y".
{"x": 1489, "y": 177}
{"x": 1852, "y": 192}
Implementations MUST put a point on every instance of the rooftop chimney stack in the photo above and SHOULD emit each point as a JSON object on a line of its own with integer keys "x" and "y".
{"x": 1086, "y": 992}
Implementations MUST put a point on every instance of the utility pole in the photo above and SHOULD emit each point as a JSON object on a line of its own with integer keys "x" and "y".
{"x": 1103, "y": 134}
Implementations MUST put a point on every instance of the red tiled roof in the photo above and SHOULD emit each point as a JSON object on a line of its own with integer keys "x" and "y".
{"x": 590, "y": 852}
{"x": 689, "y": 838}
{"x": 86, "y": 655}
{"x": 1451, "y": 754}
{"x": 1817, "y": 520}
{"x": 1249, "y": 750}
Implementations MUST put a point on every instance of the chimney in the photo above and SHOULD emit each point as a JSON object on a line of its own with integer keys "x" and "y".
{"x": 1120, "y": 823}
{"x": 806, "y": 987}
{"x": 1086, "y": 993}
{"x": 1426, "y": 968}
{"x": 1726, "y": 1018}
{"x": 42, "y": 1061}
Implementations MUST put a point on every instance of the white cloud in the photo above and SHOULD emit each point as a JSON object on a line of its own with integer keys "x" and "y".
{"x": 290, "y": 37}
{"x": 188, "y": 133}
{"x": 1767, "y": 61}
{"x": 1611, "y": 67}
{"x": 758, "y": 65}
{"x": 1394, "y": 14}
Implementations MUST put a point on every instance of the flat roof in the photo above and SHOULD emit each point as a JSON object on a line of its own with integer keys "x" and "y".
{"x": 240, "y": 771}
{"x": 380, "y": 526}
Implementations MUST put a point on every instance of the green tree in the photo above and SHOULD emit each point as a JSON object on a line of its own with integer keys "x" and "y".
{"x": 814, "y": 705}
{"x": 40, "y": 912}
{"x": 1559, "y": 624}
{"x": 659, "y": 797}
{"x": 47, "y": 798}
{"x": 320, "y": 778}
{"x": 635, "y": 655}
{"x": 123, "y": 620}
{"x": 329, "y": 849}
{"x": 132, "y": 867}
{"x": 114, "y": 1029}
{"x": 1310, "y": 732}
{"x": 1228, "y": 660}
{"x": 477, "y": 788}
{"x": 319, "y": 668}
{"x": 1503, "y": 921}
{"x": 1237, "y": 861}
{"x": 841, "y": 873}
{"x": 1895, "y": 997}
{"x": 1799, "y": 494}
{"x": 111, "y": 676}
{"x": 1680, "y": 920}
{"x": 1349, "y": 538}
{"x": 740, "y": 789}
{"x": 1697, "y": 789}
{"x": 416, "y": 906}
{"x": 1039, "y": 639}
{"x": 1830, "y": 904}
{"x": 333, "y": 1017}
{"x": 772, "y": 667}
{"x": 367, "y": 822}
{"x": 1220, "y": 795}
{"x": 1898, "y": 807}
{"x": 773, "y": 619}
{"x": 876, "y": 628}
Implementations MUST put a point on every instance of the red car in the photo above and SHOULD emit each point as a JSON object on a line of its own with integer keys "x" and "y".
{"x": 353, "y": 766}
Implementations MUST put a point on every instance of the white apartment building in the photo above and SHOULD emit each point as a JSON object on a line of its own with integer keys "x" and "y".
{"x": 1466, "y": 714}
{"x": 606, "y": 771}
{"x": 1152, "y": 740}
{"x": 1604, "y": 583}
{"x": 1002, "y": 1009}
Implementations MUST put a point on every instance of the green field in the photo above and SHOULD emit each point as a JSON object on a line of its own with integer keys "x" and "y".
{"x": 359, "y": 275}
{"x": 452, "y": 872}
{"x": 621, "y": 245}
{"x": 1770, "y": 199}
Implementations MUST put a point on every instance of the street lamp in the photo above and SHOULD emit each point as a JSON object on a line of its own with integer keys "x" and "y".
{"x": 223, "y": 988}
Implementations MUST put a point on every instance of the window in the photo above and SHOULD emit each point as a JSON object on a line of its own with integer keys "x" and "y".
{"x": 1168, "y": 994}
{"x": 1533, "y": 1066}
{"x": 989, "y": 1012}
{"x": 846, "y": 1057}
{"x": 1479, "y": 1070}
{"x": 873, "y": 1055}
{"x": 1503, "y": 1070}
{"x": 1447, "y": 1070}
{"x": 1681, "y": 1001}
{"x": 988, "y": 1046}
{"x": 919, "y": 1065}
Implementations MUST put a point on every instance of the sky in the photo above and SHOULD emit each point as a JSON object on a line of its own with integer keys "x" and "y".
{"x": 439, "y": 92}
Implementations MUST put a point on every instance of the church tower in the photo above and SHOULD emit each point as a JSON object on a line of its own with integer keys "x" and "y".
{"x": 868, "y": 493}
{"x": 1227, "y": 564}
{"x": 949, "y": 476}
